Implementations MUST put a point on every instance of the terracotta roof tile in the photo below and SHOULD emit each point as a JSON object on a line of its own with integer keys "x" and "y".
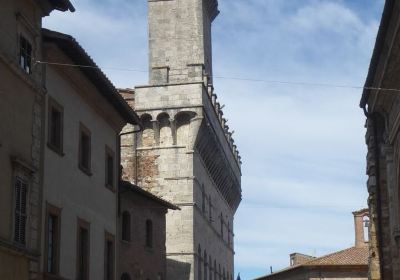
{"x": 350, "y": 256}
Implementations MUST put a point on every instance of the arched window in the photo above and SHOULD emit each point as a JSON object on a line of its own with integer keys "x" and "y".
{"x": 220, "y": 272}
{"x": 182, "y": 128}
{"x": 126, "y": 226}
{"x": 223, "y": 274}
{"x": 147, "y": 135}
{"x": 205, "y": 265}
{"x": 165, "y": 132}
{"x": 366, "y": 228}
{"x": 199, "y": 261}
{"x": 149, "y": 233}
{"x": 125, "y": 276}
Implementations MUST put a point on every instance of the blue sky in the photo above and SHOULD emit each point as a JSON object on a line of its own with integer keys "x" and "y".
{"x": 302, "y": 146}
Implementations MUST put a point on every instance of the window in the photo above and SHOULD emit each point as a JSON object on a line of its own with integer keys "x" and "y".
{"x": 82, "y": 256}
{"x": 20, "y": 213}
{"x": 25, "y": 55}
{"x": 126, "y": 226}
{"x": 84, "y": 149}
{"x": 109, "y": 257}
{"x": 109, "y": 168}
{"x": 149, "y": 233}
{"x": 125, "y": 276}
{"x": 55, "y": 126}
{"x": 52, "y": 239}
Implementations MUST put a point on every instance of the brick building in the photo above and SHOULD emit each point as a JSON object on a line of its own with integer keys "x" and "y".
{"x": 186, "y": 153}
{"x": 142, "y": 252}
{"x": 348, "y": 264}
{"x": 381, "y": 104}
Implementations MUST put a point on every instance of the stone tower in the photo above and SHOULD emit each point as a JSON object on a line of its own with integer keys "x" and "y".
{"x": 186, "y": 153}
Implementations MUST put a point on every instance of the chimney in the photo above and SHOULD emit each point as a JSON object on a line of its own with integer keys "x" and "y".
{"x": 359, "y": 227}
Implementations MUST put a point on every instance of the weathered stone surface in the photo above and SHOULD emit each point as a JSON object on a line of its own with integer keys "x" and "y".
{"x": 185, "y": 153}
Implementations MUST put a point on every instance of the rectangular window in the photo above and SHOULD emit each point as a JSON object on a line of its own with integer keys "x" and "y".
{"x": 109, "y": 168}
{"x": 20, "y": 213}
{"x": 109, "y": 257}
{"x": 84, "y": 149}
{"x": 52, "y": 239}
{"x": 55, "y": 126}
{"x": 83, "y": 248}
{"x": 25, "y": 55}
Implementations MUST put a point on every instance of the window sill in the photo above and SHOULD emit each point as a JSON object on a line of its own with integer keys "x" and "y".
{"x": 85, "y": 170}
{"x": 55, "y": 149}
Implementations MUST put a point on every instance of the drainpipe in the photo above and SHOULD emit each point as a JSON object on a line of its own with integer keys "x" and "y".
{"x": 373, "y": 118}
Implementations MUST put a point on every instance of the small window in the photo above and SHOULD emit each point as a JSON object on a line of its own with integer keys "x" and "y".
{"x": 126, "y": 226}
{"x": 25, "y": 55}
{"x": 109, "y": 257}
{"x": 109, "y": 168}
{"x": 52, "y": 239}
{"x": 55, "y": 126}
{"x": 84, "y": 149}
{"x": 149, "y": 233}
{"x": 82, "y": 256}
{"x": 20, "y": 213}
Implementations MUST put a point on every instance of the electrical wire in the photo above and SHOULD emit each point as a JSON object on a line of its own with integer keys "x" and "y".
{"x": 295, "y": 83}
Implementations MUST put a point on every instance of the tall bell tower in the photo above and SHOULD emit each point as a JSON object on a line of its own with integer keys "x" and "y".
{"x": 186, "y": 153}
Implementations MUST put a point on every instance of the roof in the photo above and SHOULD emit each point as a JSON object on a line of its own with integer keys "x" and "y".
{"x": 379, "y": 45}
{"x": 62, "y": 5}
{"x": 125, "y": 186}
{"x": 79, "y": 57}
{"x": 349, "y": 257}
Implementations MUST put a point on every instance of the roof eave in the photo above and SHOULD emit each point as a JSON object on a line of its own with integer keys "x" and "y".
{"x": 379, "y": 44}
{"x": 68, "y": 43}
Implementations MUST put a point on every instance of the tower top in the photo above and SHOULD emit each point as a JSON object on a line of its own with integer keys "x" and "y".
{"x": 180, "y": 40}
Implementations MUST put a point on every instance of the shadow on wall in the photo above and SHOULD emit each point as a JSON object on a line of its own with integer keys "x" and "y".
{"x": 178, "y": 270}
